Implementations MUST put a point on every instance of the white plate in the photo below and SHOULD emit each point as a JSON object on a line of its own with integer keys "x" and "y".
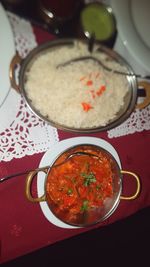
{"x": 133, "y": 22}
{"x": 7, "y": 51}
{"x": 50, "y": 156}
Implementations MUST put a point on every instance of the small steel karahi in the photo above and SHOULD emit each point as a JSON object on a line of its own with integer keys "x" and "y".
{"x": 86, "y": 188}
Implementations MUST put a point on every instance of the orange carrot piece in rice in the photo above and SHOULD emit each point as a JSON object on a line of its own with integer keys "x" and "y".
{"x": 89, "y": 83}
{"x": 86, "y": 106}
{"x": 82, "y": 78}
{"x": 101, "y": 90}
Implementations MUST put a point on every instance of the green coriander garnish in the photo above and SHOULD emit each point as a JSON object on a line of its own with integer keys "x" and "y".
{"x": 98, "y": 187}
{"x": 84, "y": 206}
{"x": 74, "y": 180}
{"x": 69, "y": 192}
{"x": 88, "y": 178}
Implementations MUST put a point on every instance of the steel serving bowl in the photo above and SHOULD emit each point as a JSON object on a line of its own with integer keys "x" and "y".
{"x": 130, "y": 101}
{"x": 92, "y": 215}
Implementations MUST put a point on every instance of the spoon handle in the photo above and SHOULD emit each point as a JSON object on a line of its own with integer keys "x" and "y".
{"x": 21, "y": 173}
{"x": 78, "y": 153}
{"x": 91, "y": 43}
{"x": 73, "y": 60}
{"x": 142, "y": 77}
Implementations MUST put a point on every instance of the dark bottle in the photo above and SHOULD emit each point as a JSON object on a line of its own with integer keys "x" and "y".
{"x": 61, "y": 16}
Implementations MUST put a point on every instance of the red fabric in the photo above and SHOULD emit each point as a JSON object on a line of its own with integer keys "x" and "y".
{"x": 24, "y": 228}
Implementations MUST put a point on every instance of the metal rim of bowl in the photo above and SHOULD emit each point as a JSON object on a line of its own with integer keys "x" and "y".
{"x": 115, "y": 122}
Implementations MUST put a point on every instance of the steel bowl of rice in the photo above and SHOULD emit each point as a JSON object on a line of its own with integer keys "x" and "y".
{"x": 78, "y": 96}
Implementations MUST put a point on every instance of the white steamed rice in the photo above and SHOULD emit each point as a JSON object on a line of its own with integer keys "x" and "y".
{"x": 58, "y": 93}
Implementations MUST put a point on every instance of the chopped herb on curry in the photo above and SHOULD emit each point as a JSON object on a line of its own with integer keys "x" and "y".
{"x": 84, "y": 206}
{"x": 88, "y": 178}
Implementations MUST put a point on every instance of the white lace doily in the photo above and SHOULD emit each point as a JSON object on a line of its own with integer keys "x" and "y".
{"x": 137, "y": 122}
{"x": 21, "y": 132}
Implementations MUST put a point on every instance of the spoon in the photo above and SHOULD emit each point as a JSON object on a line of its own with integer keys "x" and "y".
{"x": 102, "y": 64}
{"x": 78, "y": 153}
{"x": 91, "y": 43}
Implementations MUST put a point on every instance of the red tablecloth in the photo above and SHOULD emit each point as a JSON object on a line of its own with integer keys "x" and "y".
{"x": 24, "y": 228}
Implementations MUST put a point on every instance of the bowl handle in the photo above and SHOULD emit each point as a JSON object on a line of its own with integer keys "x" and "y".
{"x": 29, "y": 180}
{"x": 146, "y": 87}
{"x": 16, "y": 60}
{"x": 137, "y": 188}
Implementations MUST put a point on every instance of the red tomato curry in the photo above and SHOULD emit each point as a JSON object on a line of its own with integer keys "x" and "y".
{"x": 81, "y": 183}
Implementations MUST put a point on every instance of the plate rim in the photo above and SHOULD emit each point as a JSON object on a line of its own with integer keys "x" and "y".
{"x": 128, "y": 34}
{"x": 7, "y": 43}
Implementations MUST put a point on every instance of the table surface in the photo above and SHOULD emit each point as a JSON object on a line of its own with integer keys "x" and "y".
{"x": 24, "y": 228}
